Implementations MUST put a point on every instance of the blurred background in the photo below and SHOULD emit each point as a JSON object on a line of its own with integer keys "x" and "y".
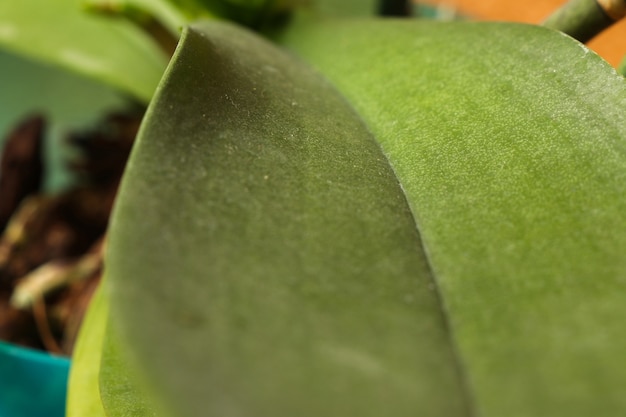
{"x": 611, "y": 44}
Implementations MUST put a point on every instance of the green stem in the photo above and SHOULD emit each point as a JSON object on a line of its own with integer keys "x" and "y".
{"x": 621, "y": 69}
{"x": 584, "y": 19}
{"x": 141, "y": 18}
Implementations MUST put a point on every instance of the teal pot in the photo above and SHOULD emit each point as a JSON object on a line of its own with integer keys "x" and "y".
{"x": 32, "y": 383}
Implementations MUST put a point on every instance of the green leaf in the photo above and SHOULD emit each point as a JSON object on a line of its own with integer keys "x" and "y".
{"x": 99, "y": 356}
{"x": 510, "y": 142}
{"x": 262, "y": 259}
{"x": 83, "y": 389}
{"x": 60, "y": 33}
{"x": 264, "y": 262}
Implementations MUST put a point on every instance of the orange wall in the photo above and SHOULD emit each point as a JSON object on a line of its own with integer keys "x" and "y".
{"x": 611, "y": 44}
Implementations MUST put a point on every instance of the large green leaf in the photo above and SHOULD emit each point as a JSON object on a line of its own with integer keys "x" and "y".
{"x": 60, "y": 32}
{"x": 510, "y": 142}
{"x": 263, "y": 260}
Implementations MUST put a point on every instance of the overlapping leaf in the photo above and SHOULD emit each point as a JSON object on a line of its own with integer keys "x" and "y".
{"x": 250, "y": 297}
{"x": 510, "y": 142}
{"x": 268, "y": 263}
{"x": 264, "y": 260}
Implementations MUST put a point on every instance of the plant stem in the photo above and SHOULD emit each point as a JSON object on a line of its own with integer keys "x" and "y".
{"x": 43, "y": 327}
{"x": 584, "y": 19}
{"x": 143, "y": 19}
{"x": 621, "y": 69}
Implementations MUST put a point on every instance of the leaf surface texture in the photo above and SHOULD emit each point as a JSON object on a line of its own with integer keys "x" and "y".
{"x": 263, "y": 260}
{"x": 509, "y": 141}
